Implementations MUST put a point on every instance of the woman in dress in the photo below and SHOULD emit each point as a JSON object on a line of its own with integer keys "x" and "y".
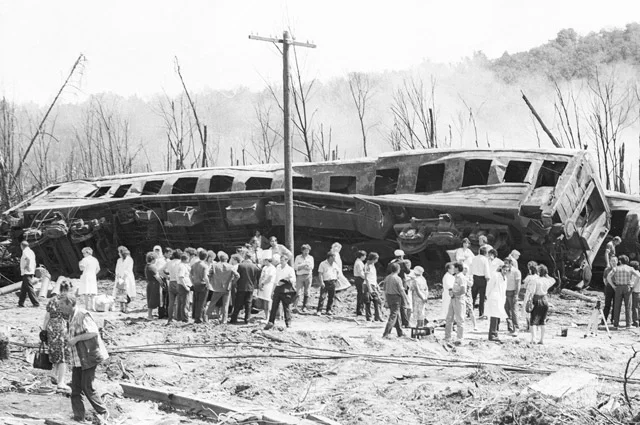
{"x": 419, "y": 294}
{"x": 267, "y": 282}
{"x": 124, "y": 274}
{"x": 538, "y": 295}
{"x": 90, "y": 267}
{"x": 154, "y": 283}
{"x": 447, "y": 285}
{"x": 56, "y": 326}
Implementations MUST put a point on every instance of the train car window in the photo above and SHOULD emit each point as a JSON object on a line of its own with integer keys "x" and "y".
{"x": 342, "y": 184}
{"x": 430, "y": 178}
{"x": 305, "y": 183}
{"x": 550, "y": 173}
{"x": 152, "y": 187}
{"x": 121, "y": 191}
{"x": 476, "y": 172}
{"x": 220, "y": 184}
{"x": 386, "y": 181}
{"x": 516, "y": 171}
{"x": 258, "y": 183}
{"x": 184, "y": 185}
{"x": 99, "y": 192}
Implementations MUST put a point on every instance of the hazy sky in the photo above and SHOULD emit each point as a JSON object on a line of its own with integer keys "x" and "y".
{"x": 130, "y": 45}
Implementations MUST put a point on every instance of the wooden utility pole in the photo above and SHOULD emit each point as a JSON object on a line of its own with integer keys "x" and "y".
{"x": 544, "y": 127}
{"x": 286, "y": 42}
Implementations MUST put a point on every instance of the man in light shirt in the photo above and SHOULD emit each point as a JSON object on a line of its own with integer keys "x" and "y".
{"x": 27, "y": 270}
{"x": 481, "y": 271}
{"x": 303, "y": 266}
{"x": 329, "y": 272}
{"x": 635, "y": 295}
{"x": 623, "y": 278}
{"x": 358, "y": 275}
{"x": 514, "y": 279}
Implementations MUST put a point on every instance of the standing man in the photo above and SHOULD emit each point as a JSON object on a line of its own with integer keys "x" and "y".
{"x": 405, "y": 269}
{"x": 27, "y": 270}
{"x": 457, "y": 303}
{"x": 329, "y": 273}
{"x": 358, "y": 275}
{"x": 622, "y": 277}
{"x": 303, "y": 266}
{"x": 609, "y": 289}
{"x": 481, "y": 271}
{"x": 514, "y": 279}
{"x": 283, "y": 292}
{"x": 223, "y": 276}
{"x": 610, "y": 249}
{"x": 279, "y": 249}
{"x": 395, "y": 296}
{"x": 247, "y": 281}
{"x": 200, "y": 279}
{"x": 184, "y": 287}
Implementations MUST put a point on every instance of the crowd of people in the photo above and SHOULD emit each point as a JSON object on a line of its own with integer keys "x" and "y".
{"x": 200, "y": 285}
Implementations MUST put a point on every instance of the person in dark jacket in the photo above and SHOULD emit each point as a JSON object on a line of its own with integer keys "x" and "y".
{"x": 405, "y": 269}
{"x": 248, "y": 281}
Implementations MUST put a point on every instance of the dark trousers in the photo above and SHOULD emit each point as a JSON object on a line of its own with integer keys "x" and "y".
{"x": 635, "y": 307}
{"x": 609, "y": 295}
{"x": 330, "y": 290}
{"x": 173, "y": 299}
{"x": 27, "y": 290}
{"x": 479, "y": 289}
{"x": 395, "y": 305}
{"x": 285, "y": 299}
{"x": 510, "y": 307}
{"x": 405, "y": 314}
{"x": 494, "y": 323}
{"x": 181, "y": 304}
{"x": 623, "y": 296}
{"x": 243, "y": 299}
{"x": 82, "y": 383}
{"x": 359, "y": 282}
{"x": 200, "y": 294}
{"x": 374, "y": 299}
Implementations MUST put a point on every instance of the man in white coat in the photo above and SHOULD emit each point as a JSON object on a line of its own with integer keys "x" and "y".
{"x": 496, "y": 298}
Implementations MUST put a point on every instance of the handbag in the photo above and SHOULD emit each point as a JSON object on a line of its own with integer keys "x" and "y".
{"x": 41, "y": 359}
{"x": 529, "y": 306}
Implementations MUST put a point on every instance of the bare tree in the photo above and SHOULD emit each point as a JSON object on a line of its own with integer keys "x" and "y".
{"x": 179, "y": 129}
{"x": 323, "y": 144}
{"x": 104, "y": 140}
{"x": 361, "y": 89}
{"x": 202, "y": 129}
{"x": 269, "y": 134}
{"x": 610, "y": 111}
{"x": 8, "y": 151}
{"x": 567, "y": 110}
{"x": 413, "y": 113}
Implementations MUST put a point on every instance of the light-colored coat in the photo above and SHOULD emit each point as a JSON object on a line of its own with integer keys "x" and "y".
{"x": 124, "y": 271}
{"x": 496, "y": 297}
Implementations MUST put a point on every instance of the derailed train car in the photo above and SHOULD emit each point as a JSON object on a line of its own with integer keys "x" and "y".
{"x": 549, "y": 204}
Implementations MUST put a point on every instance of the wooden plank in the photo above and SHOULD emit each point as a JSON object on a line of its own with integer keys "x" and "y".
{"x": 10, "y": 288}
{"x": 209, "y": 408}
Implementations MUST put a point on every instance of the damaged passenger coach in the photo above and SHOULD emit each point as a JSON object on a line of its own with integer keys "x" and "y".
{"x": 549, "y": 204}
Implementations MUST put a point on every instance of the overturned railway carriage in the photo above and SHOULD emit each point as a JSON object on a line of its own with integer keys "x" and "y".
{"x": 548, "y": 204}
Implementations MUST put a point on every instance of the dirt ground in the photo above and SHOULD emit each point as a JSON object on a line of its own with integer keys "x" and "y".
{"x": 337, "y": 367}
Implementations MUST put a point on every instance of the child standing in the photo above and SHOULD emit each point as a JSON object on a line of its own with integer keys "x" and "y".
{"x": 120, "y": 295}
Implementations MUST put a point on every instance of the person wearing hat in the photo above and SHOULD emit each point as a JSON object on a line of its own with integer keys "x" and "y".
{"x": 405, "y": 269}
{"x": 419, "y": 294}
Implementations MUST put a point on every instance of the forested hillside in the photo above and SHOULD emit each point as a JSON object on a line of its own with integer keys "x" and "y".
{"x": 585, "y": 88}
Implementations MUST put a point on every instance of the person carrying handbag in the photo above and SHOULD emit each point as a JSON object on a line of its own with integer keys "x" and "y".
{"x": 87, "y": 352}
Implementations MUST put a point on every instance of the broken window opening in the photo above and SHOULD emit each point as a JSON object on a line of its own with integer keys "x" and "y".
{"x": 152, "y": 187}
{"x": 476, "y": 172}
{"x": 549, "y": 173}
{"x": 305, "y": 183}
{"x": 430, "y": 178}
{"x": 99, "y": 192}
{"x": 386, "y": 181}
{"x": 184, "y": 185}
{"x": 342, "y": 184}
{"x": 121, "y": 191}
{"x": 258, "y": 183}
{"x": 516, "y": 171}
{"x": 220, "y": 184}
{"x": 618, "y": 219}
